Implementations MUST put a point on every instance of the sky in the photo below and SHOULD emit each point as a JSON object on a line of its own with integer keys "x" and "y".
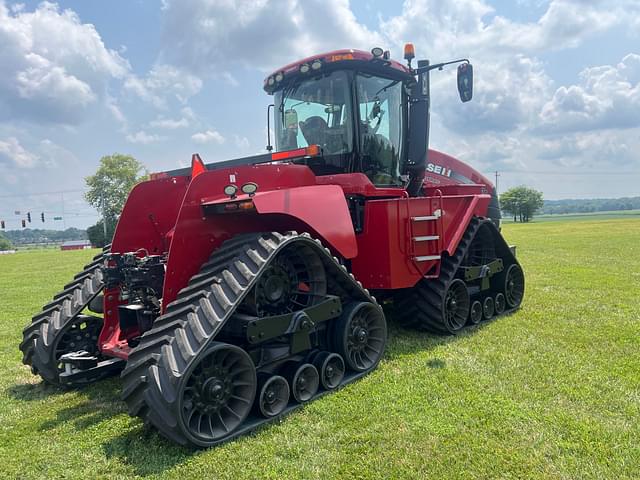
{"x": 556, "y": 97}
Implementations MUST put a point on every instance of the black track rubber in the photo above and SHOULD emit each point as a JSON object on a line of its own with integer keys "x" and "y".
{"x": 421, "y": 307}
{"x": 40, "y": 337}
{"x": 155, "y": 368}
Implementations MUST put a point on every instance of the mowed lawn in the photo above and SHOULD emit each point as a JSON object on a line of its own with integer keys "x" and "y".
{"x": 552, "y": 391}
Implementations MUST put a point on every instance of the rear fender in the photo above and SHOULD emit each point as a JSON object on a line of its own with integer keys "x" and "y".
{"x": 320, "y": 210}
{"x": 149, "y": 214}
{"x": 323, "y": 208}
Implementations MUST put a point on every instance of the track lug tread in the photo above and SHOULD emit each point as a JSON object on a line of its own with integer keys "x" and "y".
{"x": 46, "y": 325}
{"x": 192, "y": 321}
{"x": 421, "y": 306}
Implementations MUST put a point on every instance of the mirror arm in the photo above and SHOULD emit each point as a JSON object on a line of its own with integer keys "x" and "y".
{"x": 438, "y": 66}
{"x": 269, "y": 146}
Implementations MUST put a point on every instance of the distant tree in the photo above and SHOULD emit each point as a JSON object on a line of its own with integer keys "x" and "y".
{"x": 5, "y": 244}
{"x": 96, "y": 234}
{"x": 108, "y": 190}
{"x": 521, "y": 202}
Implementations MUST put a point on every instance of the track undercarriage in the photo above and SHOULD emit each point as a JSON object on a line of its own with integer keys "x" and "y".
{"x": 480, "y": 281}
{"x": 269, "y": 323}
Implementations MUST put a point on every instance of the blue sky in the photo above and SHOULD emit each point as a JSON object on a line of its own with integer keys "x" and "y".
{"x": 556, "y": 106}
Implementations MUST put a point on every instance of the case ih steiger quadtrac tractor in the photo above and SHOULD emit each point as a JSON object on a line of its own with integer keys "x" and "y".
{"x": 236, "y": 291}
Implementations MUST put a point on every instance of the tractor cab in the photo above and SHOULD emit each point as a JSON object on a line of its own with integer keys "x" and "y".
{"x": 355, "y": 106}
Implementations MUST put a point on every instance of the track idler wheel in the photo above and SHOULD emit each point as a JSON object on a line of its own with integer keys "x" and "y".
{"x": 217, "y": 393}
{"x": 488, "y": 308}
{"x": 514, "y": 286}
{"x": 360, "y": 336}
{"x": 331, "y": 368}
{"x": 273, "y": 395}
{"x": 500, "y": 304}
{"x": 455, "y": 305}
{"x": 475, "y": 313}
{"x": 304, "y": 380}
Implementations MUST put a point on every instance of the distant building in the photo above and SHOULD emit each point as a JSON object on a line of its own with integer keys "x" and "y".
{"x": 75, "y": 245}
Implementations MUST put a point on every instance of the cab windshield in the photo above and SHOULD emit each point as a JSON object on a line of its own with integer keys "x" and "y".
{"x": 317, "y": 112}
{"x": 381, "y": 118}
{"x": 320, "y": 111}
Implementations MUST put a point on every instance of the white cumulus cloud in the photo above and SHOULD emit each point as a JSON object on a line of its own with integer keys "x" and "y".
{"x": 607, "y": 97}
{"x": 15, "y": 155}
{"x": 208, "y": 136}
{"x": 143, "y": 138}
{"x": 207, "y": 36}
{"x": 53, "y": 66}
{"x": 163, "y": 83}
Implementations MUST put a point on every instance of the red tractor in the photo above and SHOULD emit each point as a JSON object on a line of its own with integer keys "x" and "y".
{"x": 236, "y": 291}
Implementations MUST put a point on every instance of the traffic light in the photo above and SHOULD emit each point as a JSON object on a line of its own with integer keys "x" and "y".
{"x": 24, "y": 223}
{"x": 29, "y": 217}
{"x": 42, "y": 217}
{"x": 2, "y": 224}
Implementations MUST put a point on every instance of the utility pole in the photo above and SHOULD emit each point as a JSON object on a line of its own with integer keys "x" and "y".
{"x": 64, "y": 217}
{"x": 497, "y": 175}
{"x": 104, "y": 220}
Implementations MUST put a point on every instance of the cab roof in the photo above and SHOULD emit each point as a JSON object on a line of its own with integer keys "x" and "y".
{"x": 334, "y": 60}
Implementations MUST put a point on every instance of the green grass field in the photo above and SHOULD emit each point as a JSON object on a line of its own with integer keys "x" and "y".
{"x": 567, "y": 217}
{"x": 552, "y": 391}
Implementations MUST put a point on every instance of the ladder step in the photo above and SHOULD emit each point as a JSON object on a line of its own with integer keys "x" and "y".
{"x": 425, "y": 218}
{"x": 425, "y": 258}
{"x": 426, "y": 238}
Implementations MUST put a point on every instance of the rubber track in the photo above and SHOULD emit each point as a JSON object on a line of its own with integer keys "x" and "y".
{"x": 421, "y": 306}
{"x": 39, "y": 337}
{"x": 156, "y": 366}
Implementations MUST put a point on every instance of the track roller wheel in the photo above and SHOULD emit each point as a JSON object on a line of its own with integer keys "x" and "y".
{"x": 500, "y": 304}
{"x": 514, "y": 286}
{"x": 304, "y": 380}
{"x": 455, "y": 307}
{"x": 296, "y": 279}
{"x": 475, "y": 313}
{"x": 273, "y": 395}
{"x": 488, "y": 308}
{"x": 217, "y": 393}
{"x": 360, "y": 336}
{"x": 331, "y": 368}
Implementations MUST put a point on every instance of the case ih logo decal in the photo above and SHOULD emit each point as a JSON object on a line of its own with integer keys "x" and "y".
{"x": 440, "y": 170}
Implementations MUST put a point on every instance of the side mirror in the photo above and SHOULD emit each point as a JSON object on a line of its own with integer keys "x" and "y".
{"x": 465, "y": 81}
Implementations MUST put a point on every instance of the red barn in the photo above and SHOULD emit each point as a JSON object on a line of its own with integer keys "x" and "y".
{"x": 75, "y": 245}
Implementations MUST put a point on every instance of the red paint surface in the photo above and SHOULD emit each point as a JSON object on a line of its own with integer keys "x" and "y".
{"x": 173, "y": 216}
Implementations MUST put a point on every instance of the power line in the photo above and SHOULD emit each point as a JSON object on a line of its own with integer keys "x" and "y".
{"x": 35, "y": 194}
{"x": 559, "y": 172}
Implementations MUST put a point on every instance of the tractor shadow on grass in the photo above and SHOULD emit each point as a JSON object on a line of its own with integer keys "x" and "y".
{"x": 101, "y": 401}
{"x": 93, "y": 403}
{"x": 403, "y": 341}
{"x": 148, "y": 453}
{"x": 29, "y": 392}
{"x": 138, "y": 446}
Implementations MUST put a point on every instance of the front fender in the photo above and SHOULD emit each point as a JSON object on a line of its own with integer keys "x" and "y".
{"x": 322, "y": 207}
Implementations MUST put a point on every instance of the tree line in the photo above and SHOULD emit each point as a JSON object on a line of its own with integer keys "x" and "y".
{"x": 589, "y": 205}
{"x": 37, "y": 235}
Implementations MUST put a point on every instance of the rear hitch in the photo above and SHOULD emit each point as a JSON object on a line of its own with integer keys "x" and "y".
{"x": 82, "y": 365}
{"x": 80, "y": 360}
